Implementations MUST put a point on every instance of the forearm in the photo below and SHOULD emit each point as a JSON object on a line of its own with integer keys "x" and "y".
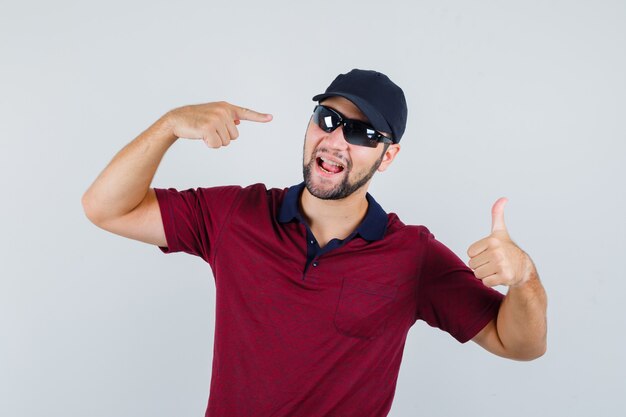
{"x": 521, "y": 322}
{"x": 123, "y": 184}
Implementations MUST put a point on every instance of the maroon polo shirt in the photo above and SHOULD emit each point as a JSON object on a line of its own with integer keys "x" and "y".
{"x": 308, "y": 332}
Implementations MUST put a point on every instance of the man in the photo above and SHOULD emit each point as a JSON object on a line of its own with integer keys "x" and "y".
{"x": 316, "y": 286}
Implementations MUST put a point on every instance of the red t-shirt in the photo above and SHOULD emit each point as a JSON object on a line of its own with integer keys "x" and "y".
{"x": 320, "y": 341}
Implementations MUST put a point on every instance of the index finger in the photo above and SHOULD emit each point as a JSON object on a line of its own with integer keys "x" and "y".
{"x": 478, "y": 247}
{"x": 242, "y": 113}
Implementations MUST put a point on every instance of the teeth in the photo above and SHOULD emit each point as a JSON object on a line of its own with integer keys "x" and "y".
{"x": 331, "y": 162}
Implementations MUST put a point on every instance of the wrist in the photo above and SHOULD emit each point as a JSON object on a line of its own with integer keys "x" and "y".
{"x": 527, "y": 271}
{"x": 166, "y": 125}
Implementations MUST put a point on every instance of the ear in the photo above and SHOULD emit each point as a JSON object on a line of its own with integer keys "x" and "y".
{"x": 389, "y": 156}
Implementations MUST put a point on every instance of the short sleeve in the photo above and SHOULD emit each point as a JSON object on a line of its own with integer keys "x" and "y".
{"x": 450, "y": 297}
{"x": 193, "y": 218}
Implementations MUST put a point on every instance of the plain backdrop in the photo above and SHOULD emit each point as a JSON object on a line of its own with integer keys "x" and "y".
{"x": 523, "y": 99}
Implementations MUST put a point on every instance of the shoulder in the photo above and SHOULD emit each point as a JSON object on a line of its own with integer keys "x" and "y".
{"x": 411, "y": 240}
{"x": 261, "y": 191}
{"x": 419, "y": 237}
{"x": 258, "y": 197}
{"x": 252, "y": 190}
{"x": 397, "y": 226}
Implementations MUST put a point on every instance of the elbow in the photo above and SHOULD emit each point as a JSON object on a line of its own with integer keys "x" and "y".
{"x": 531, "y": 353}
{"x": 84, "y": 201}
{"x": 532, "y": 356}
{"x": 88, "y": 209}
{"x": 540, "y": 351}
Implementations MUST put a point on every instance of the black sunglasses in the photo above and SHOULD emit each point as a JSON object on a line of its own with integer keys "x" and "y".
{"x": 355, "y": 131}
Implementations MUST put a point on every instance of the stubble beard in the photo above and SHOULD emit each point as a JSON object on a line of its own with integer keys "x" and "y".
{"x": 342, "y": 190}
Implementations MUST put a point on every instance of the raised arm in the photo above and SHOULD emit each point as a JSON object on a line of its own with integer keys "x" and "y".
{"x": 121, "y": 201}
{"x": 520, "y": 329}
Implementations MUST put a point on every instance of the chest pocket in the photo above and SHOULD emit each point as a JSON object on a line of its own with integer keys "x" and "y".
{"x": 363, "y": 308}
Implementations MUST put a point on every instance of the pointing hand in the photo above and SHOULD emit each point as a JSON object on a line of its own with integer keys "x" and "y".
{"x": 214, "y": 123}
{"x": 495, "y": 259}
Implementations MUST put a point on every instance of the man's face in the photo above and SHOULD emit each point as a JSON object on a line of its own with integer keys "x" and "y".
{"x": 334, "y": 169}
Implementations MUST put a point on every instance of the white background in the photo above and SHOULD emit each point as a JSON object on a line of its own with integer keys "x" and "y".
{"x": 524, "y": 99}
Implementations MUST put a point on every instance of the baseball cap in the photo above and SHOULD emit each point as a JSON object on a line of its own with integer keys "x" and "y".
{"x": 379, "y": 98}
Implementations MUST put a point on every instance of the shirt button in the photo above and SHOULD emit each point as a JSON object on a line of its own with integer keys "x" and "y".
{"x": 312, "y": 242}
{"x": 314, "y": 263}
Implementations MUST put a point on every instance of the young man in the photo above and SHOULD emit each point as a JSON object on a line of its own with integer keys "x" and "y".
{"x": 316, "y": 285}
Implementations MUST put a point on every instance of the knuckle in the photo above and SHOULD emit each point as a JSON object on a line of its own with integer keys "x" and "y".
{"x": 212, "y": 143}
{"x": 211, "y": 122}
{"x": 223, "y": 111}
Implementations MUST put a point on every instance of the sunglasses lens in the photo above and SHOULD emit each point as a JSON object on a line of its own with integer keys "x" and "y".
{"x": 360, "y": 134}
{"x": 326, "y": 119}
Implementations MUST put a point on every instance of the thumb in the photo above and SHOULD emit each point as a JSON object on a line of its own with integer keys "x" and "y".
{"x": 242, "y": 113}
{"x": 497, "y": 215}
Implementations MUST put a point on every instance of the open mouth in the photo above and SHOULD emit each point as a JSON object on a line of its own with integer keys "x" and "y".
{"x": 329, "y": 167}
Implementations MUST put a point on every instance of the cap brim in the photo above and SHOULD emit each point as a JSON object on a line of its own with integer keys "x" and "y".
{"x": 373, "y": 116}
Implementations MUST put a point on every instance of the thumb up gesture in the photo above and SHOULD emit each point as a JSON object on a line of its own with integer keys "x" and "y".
{"x": 495, "y": 259}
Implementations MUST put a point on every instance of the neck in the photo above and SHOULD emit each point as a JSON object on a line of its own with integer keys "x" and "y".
{"x": 330, "y": 219}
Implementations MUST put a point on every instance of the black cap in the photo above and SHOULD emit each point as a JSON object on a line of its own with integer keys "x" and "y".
{"x": 381, "y": 100}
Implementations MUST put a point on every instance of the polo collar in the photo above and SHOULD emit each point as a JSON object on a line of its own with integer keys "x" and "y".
{"x": 371, "y": 228}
